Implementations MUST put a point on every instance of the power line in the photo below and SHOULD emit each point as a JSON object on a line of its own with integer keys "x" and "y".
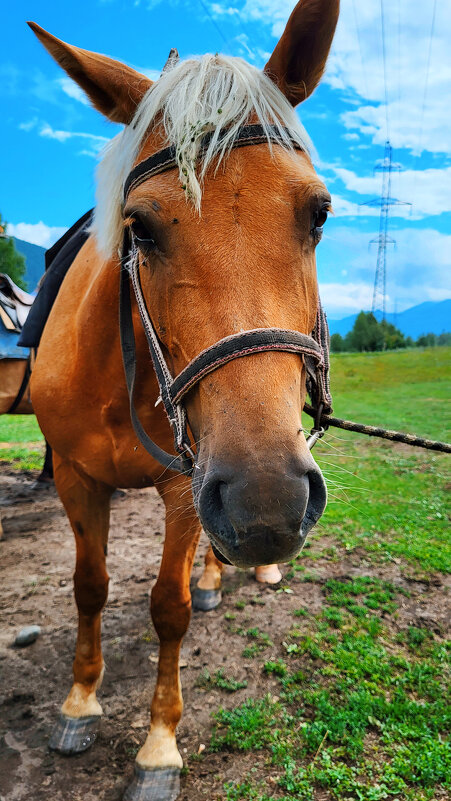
{"x": 228, "y": 41}
{"x": 426, "y": 83}
{"x": 398, "y": 60}
{"x": 360, "y": 48}
{"x": 384, "y": 57}
{"x": 214, "y": 22}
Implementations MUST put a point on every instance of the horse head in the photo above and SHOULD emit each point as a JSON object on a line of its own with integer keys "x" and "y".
{"x": 226, "y": 244}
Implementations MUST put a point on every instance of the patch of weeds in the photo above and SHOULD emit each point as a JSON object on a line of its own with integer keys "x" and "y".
{"x": 310, "y": 578}
{"x": 262, "y": 637}
{"x": 240, "y": 604}
{"x": 229, "y": 616}
{"x": 251, "y": 651}
{"x": 244, "y": 790}
{"x": 333, "y": 616}
{"x": 22, "y": 458}
{"x": 309, "y": 645}
{"x": 375, "y": 594}
{"x": 219, "y": 680}
{"x": 262, "y": 641}
{"x": 278, "y": 668}
{"x": 248, "y": 726}
{"x": 196, "y": 756}
{"x": 301, "y": 612}
{"x": 257, "y": 601}
{"x": 417, "y": 637}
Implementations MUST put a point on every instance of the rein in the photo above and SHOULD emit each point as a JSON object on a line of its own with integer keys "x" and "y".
{"x": 314, "y": 349}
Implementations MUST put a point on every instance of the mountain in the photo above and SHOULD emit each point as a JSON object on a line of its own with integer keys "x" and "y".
{"x": 429, "y": 317}
{"x": 34, "y": 257}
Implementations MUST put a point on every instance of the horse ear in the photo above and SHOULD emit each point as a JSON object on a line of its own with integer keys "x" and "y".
{"x": 112, "y": 87}
{"x": 300, "y": 56}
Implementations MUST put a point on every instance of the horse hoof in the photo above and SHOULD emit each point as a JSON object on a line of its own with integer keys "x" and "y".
{"x": 205, "y": 600}
{"x": 74, "y": 735}
{"x": 160, "y": 784}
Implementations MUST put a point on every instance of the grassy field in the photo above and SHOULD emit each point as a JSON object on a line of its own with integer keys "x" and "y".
{"x": 363, "y": 705}
{"x": 21, "y": 441}
{"x": 361, "y": 709}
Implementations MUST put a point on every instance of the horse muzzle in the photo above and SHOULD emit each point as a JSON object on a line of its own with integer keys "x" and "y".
{"x": 258, "y": 516}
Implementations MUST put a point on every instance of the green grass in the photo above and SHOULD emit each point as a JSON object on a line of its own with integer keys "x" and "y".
{"x": 220, "y": 681}
{"x": 355, "y": 715}
{"x": 363, "y": 709}
{"x": 19, "y": 428}
{"x": 407, "y": 389}
{"x": 27, "y": 450}
{"x": 385, "y": 499}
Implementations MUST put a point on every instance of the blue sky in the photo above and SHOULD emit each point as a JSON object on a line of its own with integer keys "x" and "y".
{"x": 51, "y": 137}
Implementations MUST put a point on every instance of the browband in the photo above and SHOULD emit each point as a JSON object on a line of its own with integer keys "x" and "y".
{"x": 166, "y": 159}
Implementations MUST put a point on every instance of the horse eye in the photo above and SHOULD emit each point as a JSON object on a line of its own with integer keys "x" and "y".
{"x": 320, "y": 217}
{"x": 142, "y": 234}
{"x": 318, "y": 220}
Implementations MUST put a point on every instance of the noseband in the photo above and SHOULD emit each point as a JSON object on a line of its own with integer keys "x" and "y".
{"x": 314, "y": 349}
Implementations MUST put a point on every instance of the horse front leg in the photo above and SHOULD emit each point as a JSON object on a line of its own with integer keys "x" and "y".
{"x": 207, "y": 594}
{"x": 87, "y": 505}
{"x": 158, "y": 763}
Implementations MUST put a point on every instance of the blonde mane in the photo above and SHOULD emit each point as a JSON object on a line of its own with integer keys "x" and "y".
{"x": 212, "y": 93}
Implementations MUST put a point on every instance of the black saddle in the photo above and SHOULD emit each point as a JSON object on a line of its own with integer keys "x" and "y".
{"x": 58, "y": 259}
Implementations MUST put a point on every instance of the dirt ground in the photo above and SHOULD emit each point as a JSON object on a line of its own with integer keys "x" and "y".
{"x": 36, "y": 565}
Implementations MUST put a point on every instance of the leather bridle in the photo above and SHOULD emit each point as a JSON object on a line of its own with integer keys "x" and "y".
{"x": 314, "y": 349}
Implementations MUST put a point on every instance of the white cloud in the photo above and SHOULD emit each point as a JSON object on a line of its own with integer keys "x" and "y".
{"x": 407, "y": 37}
{"x": 355, "y": 67}
{"x": 97, "y": 142}
{"x": 36, "y": 233}
{"x": 50, "y": 133}
{"x": 345, "y": 298}
{"x": 72, "y": 89}
{"x": 429, "y": 190}
{"x": 221, "y": 11}
{"x": 28, "y": 126}
{"x": 342, "y": 207}
{"x": 418, "y": 269}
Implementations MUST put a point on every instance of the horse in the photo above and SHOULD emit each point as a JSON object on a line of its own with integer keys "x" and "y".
{"x": 15, "y": 367}
{"x": 208, "y": 203}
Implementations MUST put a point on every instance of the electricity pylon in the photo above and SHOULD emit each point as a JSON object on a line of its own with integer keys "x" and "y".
{"x": 384, "y": 201}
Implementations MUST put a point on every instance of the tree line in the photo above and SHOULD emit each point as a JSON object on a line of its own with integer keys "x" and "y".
{"x": 368, "y": 334}
{"x": 12, "y": 262}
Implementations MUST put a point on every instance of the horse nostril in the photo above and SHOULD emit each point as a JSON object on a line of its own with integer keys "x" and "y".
{"x": 211, "y": 502}
{"x": 317, "y": 499}
{"x": 259, "y": 517}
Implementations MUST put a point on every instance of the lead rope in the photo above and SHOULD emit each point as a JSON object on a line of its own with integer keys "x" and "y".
{"x": 326, "y": 420}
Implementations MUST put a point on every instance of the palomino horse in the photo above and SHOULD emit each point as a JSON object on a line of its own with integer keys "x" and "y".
{"x": 222, "y": 245}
